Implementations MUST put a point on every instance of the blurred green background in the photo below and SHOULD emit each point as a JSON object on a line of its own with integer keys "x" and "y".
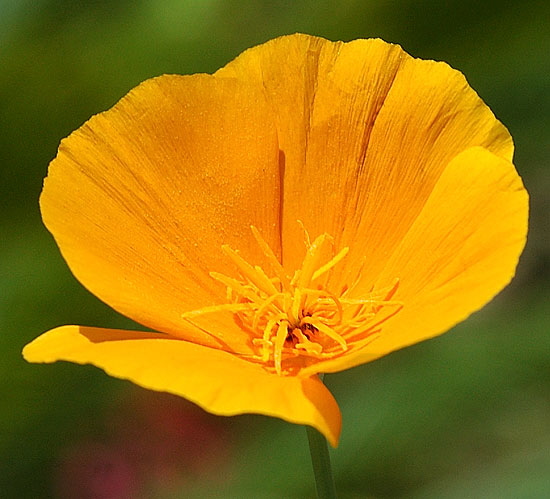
{"x": 466, "y": 415}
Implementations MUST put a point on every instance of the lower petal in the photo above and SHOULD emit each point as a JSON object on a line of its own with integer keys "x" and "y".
{"x": 219, "y": 382}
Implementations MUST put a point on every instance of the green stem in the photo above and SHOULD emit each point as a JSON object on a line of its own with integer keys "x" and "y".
{"x": 320, "y": 460}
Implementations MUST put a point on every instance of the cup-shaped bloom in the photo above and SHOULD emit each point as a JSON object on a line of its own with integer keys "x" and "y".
{"x": 309, "y": 207}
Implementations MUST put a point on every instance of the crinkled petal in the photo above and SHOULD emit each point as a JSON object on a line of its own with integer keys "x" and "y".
{"x": 141, "y": 198}
{"x": 461, "y": 250}
{"x": 220, "y": 382}
{"x": 366, "y": 130}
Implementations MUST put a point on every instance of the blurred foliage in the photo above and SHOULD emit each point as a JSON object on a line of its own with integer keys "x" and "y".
{"x": 464, "y": 415}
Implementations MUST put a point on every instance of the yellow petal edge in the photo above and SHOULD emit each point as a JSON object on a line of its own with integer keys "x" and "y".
{"x": 219, "y": 382}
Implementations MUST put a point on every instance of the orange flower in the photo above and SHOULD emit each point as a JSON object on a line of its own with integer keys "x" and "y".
{"x": 310, "y": 207}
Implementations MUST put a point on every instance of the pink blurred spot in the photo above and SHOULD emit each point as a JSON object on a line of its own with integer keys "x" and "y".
{"x": 91, "y": 470}
{"x": 171, "y": 441}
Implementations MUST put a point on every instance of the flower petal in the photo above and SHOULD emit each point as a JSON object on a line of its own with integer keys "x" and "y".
{"x": 219, "y": 382}
{"x": 461, "y": 250}
{"x": 142, "y": 197}
{"x": 366, "y": 130}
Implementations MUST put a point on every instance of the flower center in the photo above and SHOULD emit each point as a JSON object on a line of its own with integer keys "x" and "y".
{"x": 297, "y": 317}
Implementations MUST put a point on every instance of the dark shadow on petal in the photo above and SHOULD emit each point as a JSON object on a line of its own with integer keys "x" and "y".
{"x": 100, "y": 335}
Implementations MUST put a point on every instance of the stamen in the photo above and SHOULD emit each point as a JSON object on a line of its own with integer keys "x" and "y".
{"x": 237, "y": 287}
{"x": 306, "y": 233}
{"x": 297, "y": 321}
{"x": 271, "y": 323}
{"x": 259, "y": 279}
{"x": 272, "y": 259}
{"x": 263, "y": 308}
{"x": 322, "y": 296}
{"x": 327, "y": 266}
{"x": 305, "y": 344}
{"x": 313, "y": 255}
{"x": 317, "y": 324}
{"x": 230, "y": 307}
{"x": 369, "y": 326}
{"x": 392, "y": 290}
{"x": 280, "y": 338}
{"x": 296, "y": 307}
